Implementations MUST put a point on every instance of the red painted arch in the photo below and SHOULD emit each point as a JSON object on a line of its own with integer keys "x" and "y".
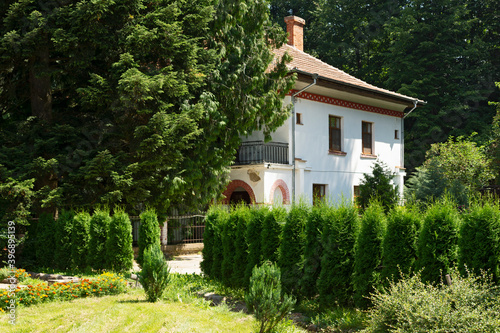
{"x": 233, "y": 185}
{"x": 284, "y": 191}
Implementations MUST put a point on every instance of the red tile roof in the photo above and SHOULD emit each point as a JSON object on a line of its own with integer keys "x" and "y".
{"x": 305, "y": 63}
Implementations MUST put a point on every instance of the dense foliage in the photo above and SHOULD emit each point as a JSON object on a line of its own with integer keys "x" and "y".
{"x": 133, "y": 103}
{"x": 253, "y": 239}
{"x": 80, "y": 240}
{"x": 243, "y": 216}
{"x": 45, "y": 240}
{"x": 265, "y": 298}
{"x": 64, "y": 237}
{"x": 149, "y": 233}
{"x": 212, "y": 240}
{"x": 155, "y": 274}
{"x": 119, "y": 252}
{"x": 378, "y": 186}
{"x": 271, "y": 233}
{"x": 98, "y": 234}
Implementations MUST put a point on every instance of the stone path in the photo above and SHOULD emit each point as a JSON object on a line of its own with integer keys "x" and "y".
{"x": 185, "y": 264}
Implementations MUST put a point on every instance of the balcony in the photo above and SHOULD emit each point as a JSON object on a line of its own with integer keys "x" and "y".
{"x": 258, "y": 152}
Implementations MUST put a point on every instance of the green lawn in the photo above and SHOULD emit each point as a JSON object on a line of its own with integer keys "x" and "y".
{"x": 127, "y": 313}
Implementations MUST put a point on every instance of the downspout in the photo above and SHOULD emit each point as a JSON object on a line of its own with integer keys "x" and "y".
{"x": 314, "y": 76}
{"x": 403, "y": 133}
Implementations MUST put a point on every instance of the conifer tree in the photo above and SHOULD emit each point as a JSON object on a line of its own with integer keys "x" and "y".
{"x": 253, "y": 238}
{"x": 98, "y": 234}
{"x": 80, "y": 240}
{"x": 243, "y": 215}
{"x": 119, "y": 252}
{"x": 210, "y": 239}
{"x": 149, "y": 233}
{"x": 271, "y": 233}
{"x": 45, "y": 240}
{"x": 64, "y": 240}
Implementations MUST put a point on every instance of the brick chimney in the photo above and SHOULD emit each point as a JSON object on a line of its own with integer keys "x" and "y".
{"x": 295, "y": 29}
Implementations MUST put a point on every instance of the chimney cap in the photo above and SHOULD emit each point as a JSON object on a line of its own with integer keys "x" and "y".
{"x": 295, "y": 19}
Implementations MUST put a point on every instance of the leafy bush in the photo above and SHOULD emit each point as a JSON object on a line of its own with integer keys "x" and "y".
{"x": 229, "y": 247}
{"x": 209, "y": 237}
{"x": 479, "y": 241}
{"x": 377, "y": 185}
{"x": 470, "y": 304}
{"x": 154, "y": 276}
{"x": 20, "y": 274}
{"x": 337, "y": 263}
{"x": 313, "y": 249}
{"x": 399, "y": 246}
{"x": 64, "y": 239}
{"x": 292, "y": 247}
{"x": 271, "y": 233}
{"x": 98, "y": 234}
{"x": 243, "y": 216}
{"x": 437, "y": 242}
{"x": 368, "y": 254}
{"x": 149, "y": 233}
{"x": 265, "y": 297}
{"x": 253, "y": 238}
{"x": 45, "y": 241}
{"x": 80, "y": 239}
{"x": 105, "y": 284}
{"x": 119, "y": 252}
{"x": 218, "y": 248}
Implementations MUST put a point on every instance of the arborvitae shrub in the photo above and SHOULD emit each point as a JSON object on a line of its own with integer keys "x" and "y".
{"x": 221, "y": 219}
{"x": 479, "y": 241}
{"x": 63, "y": 235}
{"x": 209, "y": 238}
{"x": 149, "y": 233}
{"x": 243, "y": 215}
{"x": 271, "y": 233}
{"x": 119, "y": 252}
{"x": 368, "y": 254}
{"x": 292, "y": 248}
{"x": 253, "y": 237}
{"x": 80, "y": 239}
{"x": 313, "y": 249}
{"x": 28, "y": 254}
{"x": 229, "y": 247}
{"x": 98, "y": 231}
{"x": 399, "y": 247}
{"x": 437, "y": 242}
{"x": 337, "y": 263}
{"x": 265, "y": 298}
{"x": 45, "y": 240}
{"x": 155, "y": 274}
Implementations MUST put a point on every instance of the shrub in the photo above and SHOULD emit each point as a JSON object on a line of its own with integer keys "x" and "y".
{"x": 437, "y": 243}
{"x": 368, "y": 254}
{"x": 64, "y": 238}
{"x": 292, "y": 248}
{"x": 28, "y": 253}
{"x": 399, "y": 246}
{"x": 253, "y": 237}
{"x": 80, "y": 239}
{"x": 209, "y": 238}
{"x": 337, "y": 263}
{"x": 98, "y": 232}
{"x": 218, "y": 248}
{"x": 149, "y": 233}
{"x": 119, "y": 252}
{"x": 154, "y": 276}
{"x": 243, "y": 216}
{"x": 377, "y": 185}
{"x": 45, "y": 241}
{"x": 228, "y": 247}
{"x": 265, "y": 297}
{"x": 271, "y": 233}
{"x": 313, "y": 249}
{"x": 479, "y": 241}
{"x": 470, "y": 304}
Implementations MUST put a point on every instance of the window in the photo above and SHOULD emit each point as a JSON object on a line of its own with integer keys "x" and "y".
{"x": 356, "y": 191}
{"x": 319, "y": 192}
{"x": 335, "y": 134}
{"x": 396, "y": 134}
{"x": 299, "y": 118}
{"x": 367, "y": 137}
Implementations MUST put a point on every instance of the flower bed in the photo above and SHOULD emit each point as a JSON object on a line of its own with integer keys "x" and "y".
{"x": 105, "y": 284}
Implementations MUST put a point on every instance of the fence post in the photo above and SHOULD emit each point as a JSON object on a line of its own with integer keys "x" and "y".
{"x": 164, "y": 233}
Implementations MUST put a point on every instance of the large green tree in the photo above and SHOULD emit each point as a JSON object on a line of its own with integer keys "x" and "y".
{"x": 132, "y": 102}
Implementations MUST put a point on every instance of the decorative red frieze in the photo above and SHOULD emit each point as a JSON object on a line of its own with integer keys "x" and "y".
{"x": 284, "y": 191}
{"x": 233, "y": 185}
{"x": 346, "y": 104}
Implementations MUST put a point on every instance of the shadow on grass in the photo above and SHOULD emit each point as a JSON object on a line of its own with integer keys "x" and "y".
{"x": 133, "y": 301}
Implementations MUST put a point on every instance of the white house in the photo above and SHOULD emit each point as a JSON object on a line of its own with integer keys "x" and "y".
{"x": 339, "y": 126}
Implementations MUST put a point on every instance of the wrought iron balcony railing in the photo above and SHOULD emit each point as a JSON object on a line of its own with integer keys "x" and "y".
{"x": 257, "y": 152}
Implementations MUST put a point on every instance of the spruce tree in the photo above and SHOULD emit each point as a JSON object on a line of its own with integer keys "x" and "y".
{"x": 119, "y": 252}
{"x": 368, "y": 254}
{"x": 149, "y": 233}
{"x": 337, "y": 264}
{"x": 80, "y": 240}
{"x": 291, "y": 251}
{"x": 377, "y": 186}
{"x": 98, "y": 234}
{"x": 45, "y": 240}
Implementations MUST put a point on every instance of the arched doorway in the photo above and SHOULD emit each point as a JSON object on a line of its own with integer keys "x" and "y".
{"x": 242, "y": 193}
{"x": 279, "y": 193}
